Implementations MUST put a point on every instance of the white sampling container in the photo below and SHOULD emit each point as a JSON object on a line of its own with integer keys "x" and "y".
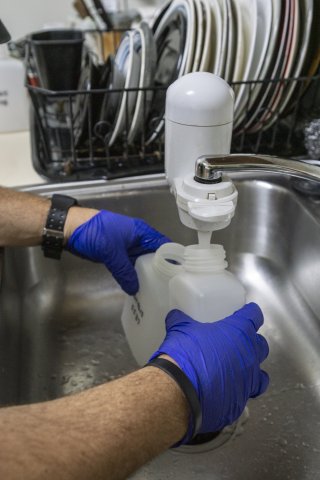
{"x": 13, "y": 94}
{"x": 191, "y": 279}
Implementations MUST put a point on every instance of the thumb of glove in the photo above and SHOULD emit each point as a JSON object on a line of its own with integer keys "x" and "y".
{"x": 124, "y": 273}
{"x": 174, "y": 317}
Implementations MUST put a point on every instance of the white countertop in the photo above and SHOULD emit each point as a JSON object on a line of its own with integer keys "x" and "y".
{"x": 16, "y": 167}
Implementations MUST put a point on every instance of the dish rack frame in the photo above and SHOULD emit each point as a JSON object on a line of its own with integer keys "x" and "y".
{"x": 67, "y": 145}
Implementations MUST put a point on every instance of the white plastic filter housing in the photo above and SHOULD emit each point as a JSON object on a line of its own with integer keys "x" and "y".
{"x": 198, "y": 121}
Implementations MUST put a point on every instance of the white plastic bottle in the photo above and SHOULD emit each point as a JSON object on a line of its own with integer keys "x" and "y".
{"x": 143, "y": 315}
{"x": 191, "y": 279}
{"x": 13, "y": 94}
{"x": 205, "y": 290}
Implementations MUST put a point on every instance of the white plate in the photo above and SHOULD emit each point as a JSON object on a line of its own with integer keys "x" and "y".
{"x": 187, "y": 10}
{"x": 266, "y": 65}
{"x": 290, "y": 57}
{"x": 306, "y": 24}
{"x": 224, "y": 40}
{"x": 287, "y": 63}
{"x": 263, "y": 32}
{"x": 240, "y": 46}
{"x": 200, "y": 32}
{"x": 159, "y": 13}
{"x": 216, "y": 16}
{"x": 249, "y": 16}
{"x": 128, "y": 61}
{"x": 230, "y": 58}
{"x": 191, "y": 36}
{"x": 276, "y": 66}
{"x": 148, "y": 55}
{"x": 206, "y": 51}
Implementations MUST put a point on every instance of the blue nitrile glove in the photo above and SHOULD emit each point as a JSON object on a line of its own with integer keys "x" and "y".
{"x": 222, "y": 360}
{"x": 117, "y": 241}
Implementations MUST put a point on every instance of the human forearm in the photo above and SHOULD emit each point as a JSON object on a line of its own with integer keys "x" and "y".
{"x": 106, "y": 432}
{"x": 23, "y": 216}
{"x": 101, "y": 236}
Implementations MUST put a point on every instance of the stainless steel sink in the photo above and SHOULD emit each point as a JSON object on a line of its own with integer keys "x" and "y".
{"x": 60, "y": 329}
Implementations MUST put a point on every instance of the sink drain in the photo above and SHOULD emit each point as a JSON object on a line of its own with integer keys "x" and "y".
{"x": 211, "y": 441}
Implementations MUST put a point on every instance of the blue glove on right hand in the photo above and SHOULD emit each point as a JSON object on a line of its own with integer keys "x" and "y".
{"x": 222, "y": 360}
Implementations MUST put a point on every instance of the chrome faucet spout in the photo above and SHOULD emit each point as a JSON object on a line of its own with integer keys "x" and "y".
{"x": 210, "y": 168}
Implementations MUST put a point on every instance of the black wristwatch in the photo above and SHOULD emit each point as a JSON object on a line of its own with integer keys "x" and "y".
{"x": 52, "y": 237}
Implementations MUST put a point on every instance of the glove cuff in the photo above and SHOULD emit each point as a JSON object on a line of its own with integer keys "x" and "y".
{"x": 189, "y": 391}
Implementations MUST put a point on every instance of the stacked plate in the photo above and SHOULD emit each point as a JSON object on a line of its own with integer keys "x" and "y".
{"x": 253, "y": 44}
{"x": 129, "y": 74}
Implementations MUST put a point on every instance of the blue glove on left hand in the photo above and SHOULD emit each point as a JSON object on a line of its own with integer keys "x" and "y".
{"x": 116, "y": 240}
{"x": 222, "y": 360}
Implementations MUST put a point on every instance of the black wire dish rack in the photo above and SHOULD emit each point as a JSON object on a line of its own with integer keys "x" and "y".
{"x": 72, "y": 131}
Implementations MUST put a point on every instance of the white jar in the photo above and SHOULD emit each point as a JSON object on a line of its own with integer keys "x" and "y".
{"x": 13, "y": 94}
{"x": 191, "y": 279}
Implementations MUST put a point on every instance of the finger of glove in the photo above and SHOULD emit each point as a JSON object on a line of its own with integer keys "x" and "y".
{"x": 262, "y": 385}
{"x": 263, "y": 348}
{"x": 175, "y": 317}
{"x": 125, "y": 274}
{"x": 251, "y": 313}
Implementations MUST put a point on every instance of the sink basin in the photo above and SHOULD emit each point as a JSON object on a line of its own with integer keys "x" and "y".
{"x": 60, "y": 329}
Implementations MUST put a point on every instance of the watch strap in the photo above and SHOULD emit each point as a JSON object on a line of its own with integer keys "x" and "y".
{"x": 53, "y": 237}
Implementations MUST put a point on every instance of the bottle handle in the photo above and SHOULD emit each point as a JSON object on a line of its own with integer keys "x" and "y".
{"x": 169, "y": 258}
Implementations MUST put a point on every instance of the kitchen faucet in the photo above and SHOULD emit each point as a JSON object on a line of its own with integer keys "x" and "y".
{"x": 198, "y": 131}
{"x": 210, "y": 168}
